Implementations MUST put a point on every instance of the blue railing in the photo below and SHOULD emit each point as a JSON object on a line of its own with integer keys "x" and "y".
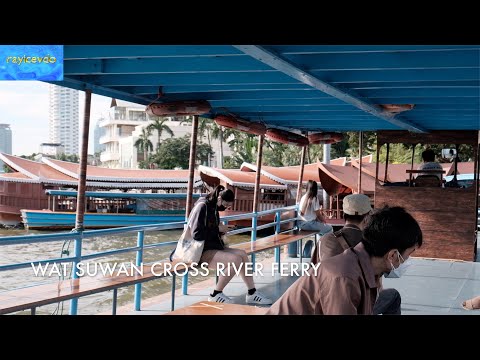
{"x": 78, "y": 237}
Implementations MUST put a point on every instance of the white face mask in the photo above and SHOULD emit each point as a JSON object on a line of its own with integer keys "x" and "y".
{"x": 395, "y": 273}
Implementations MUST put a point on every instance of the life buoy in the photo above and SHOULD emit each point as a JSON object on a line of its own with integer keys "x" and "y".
{"x": 178, "y": 108}
{"x": 397, "y": 108}
{"x": 240, "y": 124}
{"x": 325, "y": 138}
{"x": 286, "y": 137}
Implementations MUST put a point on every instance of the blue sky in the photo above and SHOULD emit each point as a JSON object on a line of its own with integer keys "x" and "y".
{"x": 24, "y": 105}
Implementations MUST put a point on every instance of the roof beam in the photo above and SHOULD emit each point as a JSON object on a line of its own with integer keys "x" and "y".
{"x": 99, "y": 90}
{"x": 145, "y": 51}
{"x": 342, "y": 49}
{"x": 342, "y": 77}
{"x": 164, "y": 65}
{"x": 272, "y": 59}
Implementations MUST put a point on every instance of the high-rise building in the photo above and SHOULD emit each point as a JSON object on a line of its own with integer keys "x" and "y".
{"x": 98, "y": 132}
{"x": 5, "y": 141}
{"x": 63, "y": 120}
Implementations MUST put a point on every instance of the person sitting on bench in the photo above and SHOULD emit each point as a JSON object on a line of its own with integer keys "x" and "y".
{"x": 429, "y": 163}
{"x": 311, "y": 211}
{"x": 355, "y": 208}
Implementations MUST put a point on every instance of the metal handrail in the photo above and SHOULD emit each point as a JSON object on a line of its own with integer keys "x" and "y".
{"x": 140, "y": 230}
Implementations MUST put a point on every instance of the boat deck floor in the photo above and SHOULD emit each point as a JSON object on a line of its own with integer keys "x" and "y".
{"x": 429, "y": 287}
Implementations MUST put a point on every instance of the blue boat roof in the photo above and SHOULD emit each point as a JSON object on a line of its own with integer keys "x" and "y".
{"x": 118, "y": 195}
{"x": 295, "y": 87}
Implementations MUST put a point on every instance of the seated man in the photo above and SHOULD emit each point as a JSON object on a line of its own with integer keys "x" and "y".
{"x": 355, "y": 208}
{"x": 429, "y": 163}
{"x": 347, "y": 284}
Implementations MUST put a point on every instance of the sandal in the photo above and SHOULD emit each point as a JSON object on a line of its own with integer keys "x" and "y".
{"x": 472, "y": 304}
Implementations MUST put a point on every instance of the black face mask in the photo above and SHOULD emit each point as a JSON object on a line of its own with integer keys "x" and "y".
{"x": 221, "y": 208}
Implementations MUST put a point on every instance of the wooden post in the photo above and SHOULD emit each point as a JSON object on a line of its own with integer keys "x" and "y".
{"x": 360, "y": 147}
{"x": 191, "y": 166}
{"x": 300, "y": 176}
{"x": 476, "y": 169}
{"x": 338, "y": 207}
{"x": 386, "y": 162}
{"x": 82, "y": 177}
{"x": 411, "y": 166}
{"x": 377, "y": 164}
{"x": 236, "y": 205}
{"x": 256, "y": 193}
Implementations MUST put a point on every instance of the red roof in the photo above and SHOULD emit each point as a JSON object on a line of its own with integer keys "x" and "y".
{"x": 238, "y": 178}
{"x": 34, "y": 169}
{"x": 464, "y": 167}
{"x": 333, "y": 177}
{"x": 107, "y": 174}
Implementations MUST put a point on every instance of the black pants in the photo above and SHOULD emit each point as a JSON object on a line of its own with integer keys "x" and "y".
{"x": 388, "y": 303}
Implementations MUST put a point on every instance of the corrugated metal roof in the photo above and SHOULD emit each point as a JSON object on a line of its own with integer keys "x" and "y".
{"x": 297, "y": 87}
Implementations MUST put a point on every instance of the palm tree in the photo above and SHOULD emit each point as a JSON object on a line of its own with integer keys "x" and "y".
{"x": 159, "y": 125}
{"x": 221, "y": 133}
{"x": 205, "y": 127}
{"x": 143, "y": 143}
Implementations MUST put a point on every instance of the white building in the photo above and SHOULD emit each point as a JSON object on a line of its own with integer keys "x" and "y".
{"x": 120, "y": 124}
{"x": 5, "y": 141}
{"x": 64, "y": 118}
{"x": 51, "y": 149}
{"x": 130, "y": 157}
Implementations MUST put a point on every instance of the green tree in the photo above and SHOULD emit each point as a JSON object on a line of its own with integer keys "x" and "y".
{"x": 244, "y": 148}
{"x": 143, "y": 144}
{"x": 158, "y": 124}
{"x": 175, "y": 152}
{"x": 29, "y": 157}
{"x": 70, "y": 158}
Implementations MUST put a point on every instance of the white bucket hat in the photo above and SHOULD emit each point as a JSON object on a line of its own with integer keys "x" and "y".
{"x": 356, "y": 204}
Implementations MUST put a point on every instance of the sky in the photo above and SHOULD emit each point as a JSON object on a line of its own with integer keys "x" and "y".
{"x": 24, "y": 105}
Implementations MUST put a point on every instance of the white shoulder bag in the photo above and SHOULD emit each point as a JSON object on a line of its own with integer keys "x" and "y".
{"x": 188, "y": 249}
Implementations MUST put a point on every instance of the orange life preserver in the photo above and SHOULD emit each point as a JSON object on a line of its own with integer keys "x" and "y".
{"x": 178, "y": 108}
{"x": 325, "y": 138}
{"x": 240, "y": 124}
{"x": 286, "y": 137}
{"x": 397, "y": 108}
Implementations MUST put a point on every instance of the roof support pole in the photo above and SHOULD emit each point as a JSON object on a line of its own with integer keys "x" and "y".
{"x": 326, "y": 160}
{"x": 256, "y": 194}
{"x": 476, "y": 170}
{"x": 386, "y": 162}
{"x": 191, "y": 166}
{"x": 360, "y": 151}
{"x": 411, "y": 166}
{"x": 82, "y": 177}
{"x": 376, "y": 165}
{"x": 300, "y": 177}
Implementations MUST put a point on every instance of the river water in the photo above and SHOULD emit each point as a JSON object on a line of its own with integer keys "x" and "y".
{"x": 101, "y": 302}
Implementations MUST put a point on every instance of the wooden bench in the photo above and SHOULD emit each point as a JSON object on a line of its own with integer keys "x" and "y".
{"x": 209, "y": 308}
{"x": 45, "y": 294}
